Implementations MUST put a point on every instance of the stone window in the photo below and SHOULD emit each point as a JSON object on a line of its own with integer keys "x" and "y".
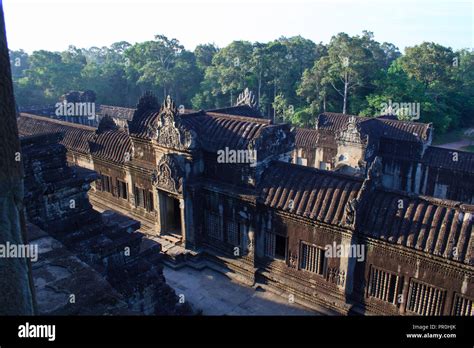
{"x": 462, "y": 306}
{"x": 149, "y": 201}
{"x": 233, "y": 232}
{"x": 269, "y": 244}
{"x": 98, "y": 183}
{"x": 144, "y": 199}
{"x": 139, "y": 197}
{"x": 212, "y": 225}
{"x": 106, "y": 183}
{"x": 275, "y": 246}
{"x": 384, "y": 285}
{"x": 424, "y": 299}
{"x": 122, "y": 189}
{"x": 312, "y": 258}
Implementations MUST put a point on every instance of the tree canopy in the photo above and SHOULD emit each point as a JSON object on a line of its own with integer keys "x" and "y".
{"x": 294, "y": 79}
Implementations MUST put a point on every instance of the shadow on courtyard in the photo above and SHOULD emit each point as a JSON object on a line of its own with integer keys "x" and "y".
{"x": 216, "y": 294}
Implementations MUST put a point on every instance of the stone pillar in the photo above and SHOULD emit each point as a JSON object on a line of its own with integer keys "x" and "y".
{"x": 17, "y": 291}
{"x": 347, "y": 264}
{"x": 161, "y": 210}
{"x": 418, "y": 177}
{"x": 263, "y": 224}
{"x": 318, "y": 157}
{"x": 188, "y": 228}
{"x": 184, "y": 225}
{"x": 156, "y": 210}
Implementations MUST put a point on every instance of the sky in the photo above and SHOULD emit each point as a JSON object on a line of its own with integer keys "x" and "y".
{"x": 55, "y": 24}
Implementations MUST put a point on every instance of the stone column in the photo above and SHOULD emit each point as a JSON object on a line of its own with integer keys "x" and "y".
{"x": 347, "y": 264}
{"x": 17, "y": 291}
{"x": 184, "y": 225}
{"x": 161, "y": 210}
{"x": 188, "y": 228}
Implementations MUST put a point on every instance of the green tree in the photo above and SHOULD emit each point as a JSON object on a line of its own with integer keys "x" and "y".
{"x": 316, "y": 87}
{"x": 231, "y": 67}
{"x": 204, "y": 54}
{"x": 153, "y": 63}
{"x": 18, "y": 62}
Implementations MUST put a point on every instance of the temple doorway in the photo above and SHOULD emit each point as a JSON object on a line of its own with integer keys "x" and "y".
{"x": 171, "y": 215}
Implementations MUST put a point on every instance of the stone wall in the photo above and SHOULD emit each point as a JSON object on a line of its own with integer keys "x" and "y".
{"x": 57, "y": 201}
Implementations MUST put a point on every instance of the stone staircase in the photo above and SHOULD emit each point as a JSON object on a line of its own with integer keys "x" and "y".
{"x": 175, "y": 255}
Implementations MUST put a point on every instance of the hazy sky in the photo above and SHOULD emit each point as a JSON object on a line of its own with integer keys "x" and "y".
{"x": 55, "y": 24}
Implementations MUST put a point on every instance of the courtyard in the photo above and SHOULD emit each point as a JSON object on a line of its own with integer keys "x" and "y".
{"x": 216, "y": 294}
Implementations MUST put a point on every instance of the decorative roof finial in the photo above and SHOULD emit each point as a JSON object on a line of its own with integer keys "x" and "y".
{"x": 246, "y": 98}
{"x": 169, "y": 104}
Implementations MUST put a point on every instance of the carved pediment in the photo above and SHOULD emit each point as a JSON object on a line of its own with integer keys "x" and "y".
{"x": 169, "y": 174}
{"x": 352, "y": 133}
{"x": 168, "y": 130}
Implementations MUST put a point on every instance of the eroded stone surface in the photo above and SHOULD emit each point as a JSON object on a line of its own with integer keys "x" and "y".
{"x": 88, "y": 262}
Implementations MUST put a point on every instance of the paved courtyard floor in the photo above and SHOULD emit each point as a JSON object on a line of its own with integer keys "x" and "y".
{"x": 216, "y": 294}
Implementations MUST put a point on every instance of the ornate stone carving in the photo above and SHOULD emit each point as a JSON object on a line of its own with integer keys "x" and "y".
{"x": 293, "y": 258}
{"x": 246, "y": 98}
{"x": 350, "y": 213}
{"x": 168, "y": 130}
{"x": 168, "y": 175}
{"x": 374, "y": 178}
{"x": 376, "y": 170}
{"x": 352, "y": 133}
{"x": 336, "y": 276}
{"x": 373, "y": 181}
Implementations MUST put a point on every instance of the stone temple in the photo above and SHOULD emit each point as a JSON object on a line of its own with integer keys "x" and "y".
{"x": 359, "y": 215}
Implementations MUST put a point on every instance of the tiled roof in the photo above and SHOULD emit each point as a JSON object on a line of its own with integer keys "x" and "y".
{"x": 305, "y": 137}
{"x": 217, "y": 131}
{"x": 337, "y": 122}
{"x": 141, "y": 122}
{"x": 308, "y": 192}
{"x": 376, "y": 126}
{"x": 404, "y": 130}
{"x": 112, "y": 145}
{"x": 109, "y": 145}
{"x": 438, "y": 227}
{"x": 117, "y": 112}
{"x": 239, "y": 110}
{"x": 75, "y": 136}
{"x": 449, "y": 159}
